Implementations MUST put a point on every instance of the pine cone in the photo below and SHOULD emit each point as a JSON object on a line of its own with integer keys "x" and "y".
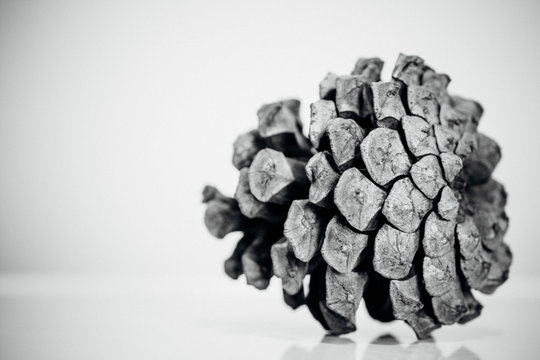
{"x": 401, "y": 208}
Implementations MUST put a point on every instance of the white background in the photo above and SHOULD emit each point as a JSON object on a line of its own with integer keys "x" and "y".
{"x": 115, "y": 114}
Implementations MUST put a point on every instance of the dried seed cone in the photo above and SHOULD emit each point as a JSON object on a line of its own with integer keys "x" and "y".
{"x": 396, "y": 206}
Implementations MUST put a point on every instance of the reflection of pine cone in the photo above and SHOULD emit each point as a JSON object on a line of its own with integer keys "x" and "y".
{"x": 401, "y": 210}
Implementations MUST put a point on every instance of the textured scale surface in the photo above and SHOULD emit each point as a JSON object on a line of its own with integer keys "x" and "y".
{"x": 389, "y": 200}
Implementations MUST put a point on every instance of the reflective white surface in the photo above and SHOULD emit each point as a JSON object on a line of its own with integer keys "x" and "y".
{"x": 92, "y": 317}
